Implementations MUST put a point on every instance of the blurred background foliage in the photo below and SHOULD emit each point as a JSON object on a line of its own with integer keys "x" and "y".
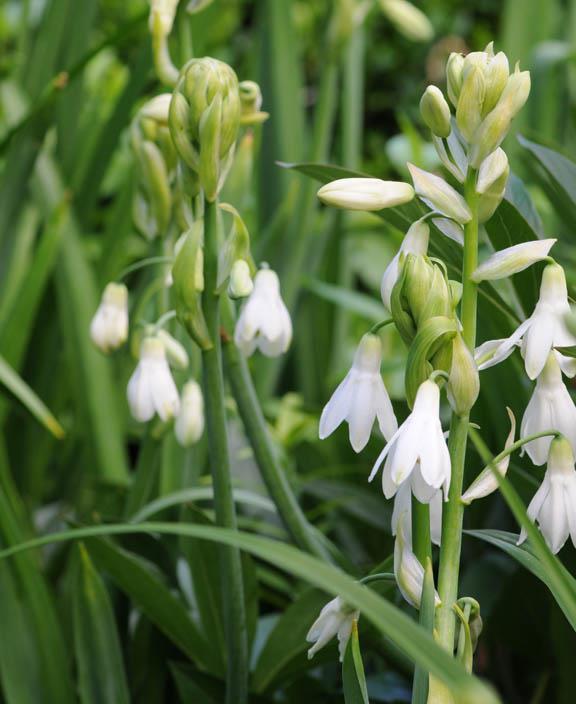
{"x": 72, "y": 75}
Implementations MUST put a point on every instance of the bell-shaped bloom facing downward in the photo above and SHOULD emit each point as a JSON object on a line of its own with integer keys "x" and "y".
{"x": 335, "y": 619}
{"x": 550, "y": 408}
{"x": 415, "y": 242}
{"x": 417, "y": 444}
{"x": 264, "y": 322}
{"x": 109, "y": 326}
{"x": 408, "y": 570}
{"x": 151, "y": 388}
{"x": 544, "y": 329}
{"x": 403, "y": 505}
{"x": 365, "y": 193}
{"x": 486, "y": 483}
{"x": 189, "y": 424}
{"x": 554, "y": 504}
{"x": 361, "y": 398}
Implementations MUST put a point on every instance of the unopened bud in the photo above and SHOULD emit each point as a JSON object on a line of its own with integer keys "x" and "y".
{"x": 511, "y": 260}
{"x": 250, "y": 104}
{"x": 408, "y": 20}
{"x": 365, "y": 193}
{"x": 468, "y": 111}
{"x": 415, "y": 242}
{"x": 439, "y": 195}
{"x": 162, "y": 14}
{"x": 240, "y": 284}
{"x": 496, "y": 76}
{"x": 189, "y": 424}
{"x": 463, "y": 381}
{"x": 175, "y": 351}
{"x": 435, "y": 111}
{"x": 491, "y": 169}
{"x": 454, "y": 77}
{"x": 204, "y": 120}
{"x": 408, "y": 570}
{"x": 492, "y": 197}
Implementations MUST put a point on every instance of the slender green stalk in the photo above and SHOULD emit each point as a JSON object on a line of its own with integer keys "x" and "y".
{"x": 454, "y": 509}
{"x": 421, "y": 543}
{"x": 213, "y": 387}
{"x": 272, "y": 473}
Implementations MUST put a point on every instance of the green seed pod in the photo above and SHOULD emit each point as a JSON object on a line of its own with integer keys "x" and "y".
{"x": 204, "y": 120}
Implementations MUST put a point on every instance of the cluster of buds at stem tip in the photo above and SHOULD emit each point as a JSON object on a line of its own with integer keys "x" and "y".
{"x": 204, "y": 120}
{"x": 154, "y": 151}
{"x": 487, "y": 97}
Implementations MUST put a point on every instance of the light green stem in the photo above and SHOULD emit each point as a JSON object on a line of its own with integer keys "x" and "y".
{"x": 264, "y": 451}
{"x": 213, "y": 386}
{"x": 454, "y": 509}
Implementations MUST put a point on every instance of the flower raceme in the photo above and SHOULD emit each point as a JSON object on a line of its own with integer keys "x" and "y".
{"x": 418, "y": 447}
{"x": 550, "y": 407}
{"x": 544, "y": 330}
{"x": 264, "y": 322}
{"x": 151, "y": 388}
{"x": 335, "y": 619}
{"x": 554, "y": 504}
{"x": 361, "y": 398}
{"x": 109, "y": 326}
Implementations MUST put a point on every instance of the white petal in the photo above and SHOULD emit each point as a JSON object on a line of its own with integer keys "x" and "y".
{"x": 553, "y": 520}
{"x": 361, "y": 413}
{"x": 384, "y": 411}
{"x": 336, "y": 410}
{"x": 140, "y": 397}
{"x": 537, "y": 343}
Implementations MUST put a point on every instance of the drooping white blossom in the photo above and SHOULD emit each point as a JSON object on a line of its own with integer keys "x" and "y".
{"x": 189, "y": 424}
{"x": 335, "y": 619}
{"x": 417, "y": 444}
{"x": 550, "y": 408}
{"x": 544, "y": 330}
{"x": 264, "y": 322}
{"x": 554, "y": 504}
{"x": 403, "y": 505}
{"x": 486, "y": 483}
{"x": 415, "y": 242}
{"x": 365, "y": 193}
{"x": 151, "y": 388}
{"x": 408, "y": 570}
{"x": 361, "y": 398}
{"x": 109, "y": 326}
{"x": 512, "y": 260}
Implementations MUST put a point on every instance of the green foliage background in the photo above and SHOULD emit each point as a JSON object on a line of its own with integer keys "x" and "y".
{"x": 138, "y": 618}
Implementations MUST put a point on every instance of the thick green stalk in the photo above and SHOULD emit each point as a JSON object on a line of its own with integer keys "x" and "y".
{"x": 454, "y": 509}
{"x": 421, "y": 543}
{"x": 266, "y": 456}
{"x": 213, "y": 386}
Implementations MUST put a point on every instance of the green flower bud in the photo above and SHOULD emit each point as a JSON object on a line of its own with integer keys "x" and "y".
{"x": 408, "y": 20}
{"x": 435, "y": 111}
{"x": 454, "y": 77}
{"x": 240, "y": 284}
{"x": 204, "y": 120}
{"x": 188, "y": 285}
{"x": 491, "y": 184}
{"x": 419, "y": 280}
{"x": 468, "y": 110}
{"x": 496, "y": 75}
{"x": 250, "y": 104}
{"x": 463, "y": 381}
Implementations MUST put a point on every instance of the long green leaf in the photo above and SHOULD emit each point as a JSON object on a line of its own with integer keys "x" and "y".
{"x": 353, "y": 678}
{"x": 393, "y": 623}
{"x": 101, "y": 676}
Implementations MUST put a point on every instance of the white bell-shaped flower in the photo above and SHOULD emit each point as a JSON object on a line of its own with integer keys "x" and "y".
{"x": 544, "y": 329}
{"x": 550, "y": 408}
{"x": 264, "y": 322}
{"x": 109, "y": 326}
{"x": 151, "y": 388}
{"x": 361, "y": 398}
{"x": 415, "y": 242}
{"x": 486, "y": 483}
{"x": 408, "y": 570}
{"x": 335, "y": 619}
{"x": 189, "y": 424}
{"x": 554, "y": 504}
{"x": 403, "y": 505}
{"x": 417, "y": 444}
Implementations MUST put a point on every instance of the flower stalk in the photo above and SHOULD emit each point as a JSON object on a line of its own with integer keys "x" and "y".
{"x": 213, "y": 388}
{"x": 454, "y": 511}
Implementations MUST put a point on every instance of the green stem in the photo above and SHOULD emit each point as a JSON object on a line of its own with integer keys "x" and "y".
{"x": 421, "y": 542}
{"x": 213, "y": 387}
{"x": 265, "y": 453}
{"x": 454, "y": 509}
